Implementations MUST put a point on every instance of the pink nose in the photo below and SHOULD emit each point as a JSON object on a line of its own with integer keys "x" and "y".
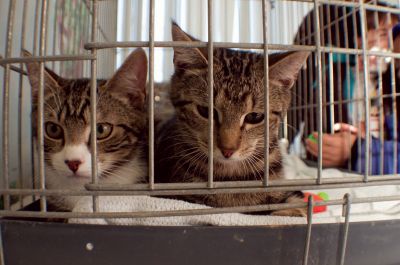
{"x": 73, "y": 165}
{"x": 227, "y": 152}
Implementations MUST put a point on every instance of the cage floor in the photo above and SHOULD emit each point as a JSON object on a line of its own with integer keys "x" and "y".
{"x": 27, "y": 242}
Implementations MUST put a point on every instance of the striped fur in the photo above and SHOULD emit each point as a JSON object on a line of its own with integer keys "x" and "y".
{"x": 120, "y": 104}
{"x": 238, "y": 90}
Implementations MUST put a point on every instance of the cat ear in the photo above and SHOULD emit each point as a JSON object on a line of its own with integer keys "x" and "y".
{"x": 129, "y": 81}
{"x": 55, "y": 76}
{"x": 51, "y": 79}
{"x": 287, "y": 67}
{"x": 187, "y": 57}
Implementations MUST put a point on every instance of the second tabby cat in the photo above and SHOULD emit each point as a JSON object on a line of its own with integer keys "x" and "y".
{"x": 238, "y": 121}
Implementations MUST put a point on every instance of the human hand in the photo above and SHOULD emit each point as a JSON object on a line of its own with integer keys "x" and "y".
{"x": 336, "y": 148}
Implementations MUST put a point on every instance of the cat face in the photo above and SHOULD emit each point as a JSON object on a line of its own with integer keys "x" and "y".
{"x": 121, "y": 120}
{"x": 238, "y": 98}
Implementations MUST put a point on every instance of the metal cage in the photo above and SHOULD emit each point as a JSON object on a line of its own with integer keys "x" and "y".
{"x": 319, "y": 109}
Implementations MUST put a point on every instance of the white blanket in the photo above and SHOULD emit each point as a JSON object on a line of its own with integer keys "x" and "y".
{"x": 294, "y": 169}
{"x": 147, "y": 203}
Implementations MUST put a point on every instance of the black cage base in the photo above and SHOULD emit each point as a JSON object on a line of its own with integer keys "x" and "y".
{"x": 27, "y": 242}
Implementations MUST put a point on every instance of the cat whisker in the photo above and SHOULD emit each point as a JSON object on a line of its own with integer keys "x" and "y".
{"x": 179, "y": 154}
{"x": 193, "y": 159}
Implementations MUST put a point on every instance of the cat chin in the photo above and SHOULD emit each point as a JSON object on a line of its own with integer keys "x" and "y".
{"x": 131, "y": 173}
{"x": 79, "y": 176}
{"x": 228, "y": 161}
{"x": 236, "y": 157}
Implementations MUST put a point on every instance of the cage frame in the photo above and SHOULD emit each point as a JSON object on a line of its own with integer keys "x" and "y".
{"x": 211, "y": 187}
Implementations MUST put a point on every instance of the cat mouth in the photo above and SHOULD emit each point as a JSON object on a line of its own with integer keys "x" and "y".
{"x": 79, "y": 176}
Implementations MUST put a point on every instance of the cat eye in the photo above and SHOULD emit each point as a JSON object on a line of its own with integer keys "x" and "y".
{"x": 254, "y": 118}
{"x": 54, "y": 130}
{"x": 104, "y": 130}
{"x": 203, "y": 111}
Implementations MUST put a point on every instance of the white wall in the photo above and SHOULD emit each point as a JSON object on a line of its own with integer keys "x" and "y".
{"x": 234, "y": 21}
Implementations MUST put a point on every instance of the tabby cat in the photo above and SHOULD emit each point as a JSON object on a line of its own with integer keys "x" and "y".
{"x": 181, "y": 153}
{"x": 121, "y": 124}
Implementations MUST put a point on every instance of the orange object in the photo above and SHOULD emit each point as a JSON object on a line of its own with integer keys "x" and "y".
{"x": 316, "y": 198}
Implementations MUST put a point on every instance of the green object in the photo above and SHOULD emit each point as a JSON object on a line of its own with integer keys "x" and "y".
{"x": 312, "y": 138}
{"x": 324, "y": 196}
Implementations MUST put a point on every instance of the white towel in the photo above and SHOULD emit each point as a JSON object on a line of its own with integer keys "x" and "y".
{"x": 294, "y": 169}
{"x": 359, "y": 212}
{"x": 147, "y": 203}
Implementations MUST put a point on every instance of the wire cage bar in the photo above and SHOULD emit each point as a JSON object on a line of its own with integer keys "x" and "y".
{"x": 366, "y": 92}
{"x": 319, "y": 110}
{"x": 93, "y": 104}
{"x": 310, "y": 207}
{"x": 210, "y": 46}
{"x": 266, "y": 93}
{"x": 6, "y": 103}
{"x": 151, "y": 95}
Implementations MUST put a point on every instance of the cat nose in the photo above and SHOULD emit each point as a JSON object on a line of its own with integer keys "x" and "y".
{"x": 73, "y": 165}
{"x": 227, "y": 153}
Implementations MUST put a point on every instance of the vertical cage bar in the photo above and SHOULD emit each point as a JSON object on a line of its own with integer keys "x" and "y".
{"x": 69, "y": 20}
{"x": 380, "y": 105}
{"x": 93, "y": 105}
{"x": 338, "y": 44}
{"x": 266, "y": 93}
{"x": 82, "y": 25}
{"x": 296, "y": 102}
{"x": 381, "y": 122}
{"x": 346, "y": 213}
{"x": 297, "y": 93}
{"x": 56, "y": 4}
{"x": 74, "y": 27}
{"x": 395, "y": 114}
{"x": 395, "y": 124}
{"x": 393, "y": 97}
{"x": 20, "y": 103}
{"x": 331, "y": 94}
{"x": 323, "y": 64}
{"x": 311, "y": 76}
{"x": 6, "y": 104}
{"x": 87, "y": 33}
{"x": 310, "y": 209}
{"x": 62, "y": 35}
{"x": 210, "y": 97}
{"x": 347, "y": 74}
{"x": 40, "y": 121}
{"x": 46, "y": 25}
{"x": 151, "y": 95}
{"x": 355, "y": 101}
{"x": 330, "y": 62}
{"x": 33, "y": 148}
{"x": 304, "y": 86}
{"x": 366, "y": 85}
{"x": 1, "y": 250}
{"x": 35, "y": 28}
{"x": 319, "y": 77}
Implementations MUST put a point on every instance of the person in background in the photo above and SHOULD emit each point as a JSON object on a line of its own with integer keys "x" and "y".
{"x": 337, "y": 148}
{"x": 342, "y": 79}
